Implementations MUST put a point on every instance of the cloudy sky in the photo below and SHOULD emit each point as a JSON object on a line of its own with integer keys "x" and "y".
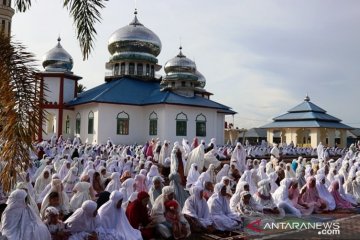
{"x": 259, "y": 57}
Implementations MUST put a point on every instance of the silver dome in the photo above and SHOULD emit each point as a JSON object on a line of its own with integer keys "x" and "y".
{"x": 134, "y": 37}
{"x": 180, "y": 63}
{"x": 57, "y": 59}
{"x": 201, "y": 79}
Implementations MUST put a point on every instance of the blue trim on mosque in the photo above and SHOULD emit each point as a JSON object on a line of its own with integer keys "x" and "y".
{"x": 130, "y": 91}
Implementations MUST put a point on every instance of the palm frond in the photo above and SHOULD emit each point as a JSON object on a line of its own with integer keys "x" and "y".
{"x": 20, "y": 110}
{"x": 85, "y": 14}
{"x": 22, "y": 5}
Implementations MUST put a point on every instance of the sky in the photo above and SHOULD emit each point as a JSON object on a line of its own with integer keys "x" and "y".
{"x": 260, "y": 57}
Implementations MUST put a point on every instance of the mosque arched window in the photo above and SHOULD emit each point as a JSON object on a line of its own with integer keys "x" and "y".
{"x": 183, "y": 83}
{"x": 153, "y": 124}
{"x": 122, "y": 69}
{"x": 200, "y": 125}
{"x": 91, "y": 123}
{"x": 139, "y": 69}
{"x": 67, "y": 125}
{"x": 77, "y": 123}
{"x": 147, "y": 69}
{"x": 131, "y": 68}
{"x": 152, "y": 71}
{"x": 116, "y": 69}
{"x": 181, "y": 124}
{"x": 122, "y": 123}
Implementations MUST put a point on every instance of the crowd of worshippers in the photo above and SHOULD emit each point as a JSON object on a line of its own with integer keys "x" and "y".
{"x": 167, "y": 191}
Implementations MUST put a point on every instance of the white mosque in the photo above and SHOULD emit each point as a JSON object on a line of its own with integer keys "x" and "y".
{"x": 133, "y": 105}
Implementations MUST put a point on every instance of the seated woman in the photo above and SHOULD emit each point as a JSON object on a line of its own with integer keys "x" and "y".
{"x": 208, "y": 190}
{"x": 114, "y": 222}
{"x": 180, "y": 194}
{"x": 192, "y": 176}
{"x": 138, "y": 215}
{"x": 348, "y": 197}
{"x": 324, "y": 192}
{"x": 196, "y": 211}
{"x": 55, "y": 225}
{"x": 96, "y": 183}
{"x": 158, "y": 214}
{"x": 85, "y": 222}
{"x": 247, "y": 207}
{"x": 310, "y": 196}
{"x": 114, "y": 184}
{"x": 294, "y": 196}
{"x": 57, "y": 198}
{"x": 172, "y": 216}
{"x": 339, "y": 200}
{"x": 282, "y": 200}
{"x": 224, "y": 219}
{"x": 155, "y": 189}
{"x": 264, "y": 198}
{"x": 19, "y": 221}
{"x": 83, "y": 191}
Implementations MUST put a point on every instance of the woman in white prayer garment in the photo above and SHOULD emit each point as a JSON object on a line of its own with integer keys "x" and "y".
{"x": 348, "y": 197}
{"x": 324, "y": 192}
{"x": 83, "y": 192}
{"x": 247, "y": 177}
{"x": 20, "y": 222}
{"x": 114, "y": 184}
{"x": 289, "y": 171}
{"x": 272, "y": 178}
{"x": 70, "y": 180}
{"x": 114, "y": 222}
{"x": 356, "y": 187}
{"x": 238, "y": 156}
{"x": 195, "y": 156}
{"x": 42, "y": 181}
{"x": 196, "y": 211}
{"x": 224, "y": 172}
{"x": 223, "y": 218}
{"x": 85, "y": 223}
{"x": 192, "y": 176}
{"x": 281, "y": 197}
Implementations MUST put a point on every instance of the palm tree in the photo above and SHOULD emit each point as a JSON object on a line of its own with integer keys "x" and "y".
{"x": 80, "y": 88}
{"x": 20, "y": 111}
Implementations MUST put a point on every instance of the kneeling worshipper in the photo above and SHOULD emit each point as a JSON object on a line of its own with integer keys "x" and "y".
{"x": 281, "y": 197}
{"x": 20, "y": 222}
{"x": 159, "y": 210}
{"x": 31, "y": 201}
{"x": 155, "y": 189}
{"x": 324, "y": 192}
{"x": 83, "y": 191}
{"x": 138, "y": 215}
{"x": 180, "y": 194}
{"x": 193, "y": 175}
{"x": 85, "y": 223}
{"x": 55, "y": 225}
{"x": 340, "y": 202}
{"x": 172, "y": 216}
{"x": 264, "y": 198}
{"x": 223, "y": 218}
{"x": 196, "y": 211}
{"x": 348, "y": 197}
{"x": 114, "y": 222}
{"x": 310, "y": 196}
{"x": 356, "y": 187}
{"x": 294, "y": 196}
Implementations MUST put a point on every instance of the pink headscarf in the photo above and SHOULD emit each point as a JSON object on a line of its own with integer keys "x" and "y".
{"x": 311, "y": 194}
{"x": 334, "y": 191}
{"x": 140, "y": 183}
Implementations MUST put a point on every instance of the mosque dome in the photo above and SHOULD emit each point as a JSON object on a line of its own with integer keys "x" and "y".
{"x": 57, "y": 59}
{"x": 180, "y": 64}
{"x": 201, "y": 79}
{"x": 134, "y": 41}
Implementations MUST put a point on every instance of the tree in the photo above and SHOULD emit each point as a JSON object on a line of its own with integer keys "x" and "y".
{"x": 80, "y": 88}
{"x": 20, "y": 111}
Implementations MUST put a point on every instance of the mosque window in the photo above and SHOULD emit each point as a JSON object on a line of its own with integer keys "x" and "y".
{"x": 131, "y": 68}
{"x": 122, "y": 69}
{"x": 181, "y": 124}
{"x": 183, "y": 84}
{"x": 152, "y": 71}
{"x": 200, "y": 125}
{"x": 77, "y": 123}
{"x": 4, "y": 2}
{"x": 116, "y": 69}
{"x": 122, "y": 123}
{"x": 147, "y": 69}
{"x": 91, "y": 123}
{"x": 67, "y": 125}
{"x": 153, "y": 124}
{"x": 3, "y": 26}
{"x": 173, "y": 84}
{"x": 140, "y": 69}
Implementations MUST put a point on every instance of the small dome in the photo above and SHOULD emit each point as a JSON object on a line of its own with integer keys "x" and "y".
{"x": 58, "y": 59}
{"x": 180, "y": 63}
{"x": 201, "y": 79}
{"x": 134, "y": 40}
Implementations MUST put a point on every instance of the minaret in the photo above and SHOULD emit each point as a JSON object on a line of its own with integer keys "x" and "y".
{"x": 57, "y": 87}
{"x": 6, "y": 13}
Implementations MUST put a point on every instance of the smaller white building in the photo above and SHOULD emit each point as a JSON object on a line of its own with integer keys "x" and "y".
{"x": 132, "y": 106}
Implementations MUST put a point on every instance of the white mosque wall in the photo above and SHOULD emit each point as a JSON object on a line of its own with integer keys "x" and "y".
{"x": 50, "y": 123}
{"x": 53, "y": 89}
{"x": 220, "y": 129}
{"x": 69, "y": 89}
{"x": 84, "y": 111}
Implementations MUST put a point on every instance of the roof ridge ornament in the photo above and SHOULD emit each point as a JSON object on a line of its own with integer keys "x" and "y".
{"x": 135, "y": 22}
{"x": 181, "y": 55}
{"x": 307, "y": 98}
